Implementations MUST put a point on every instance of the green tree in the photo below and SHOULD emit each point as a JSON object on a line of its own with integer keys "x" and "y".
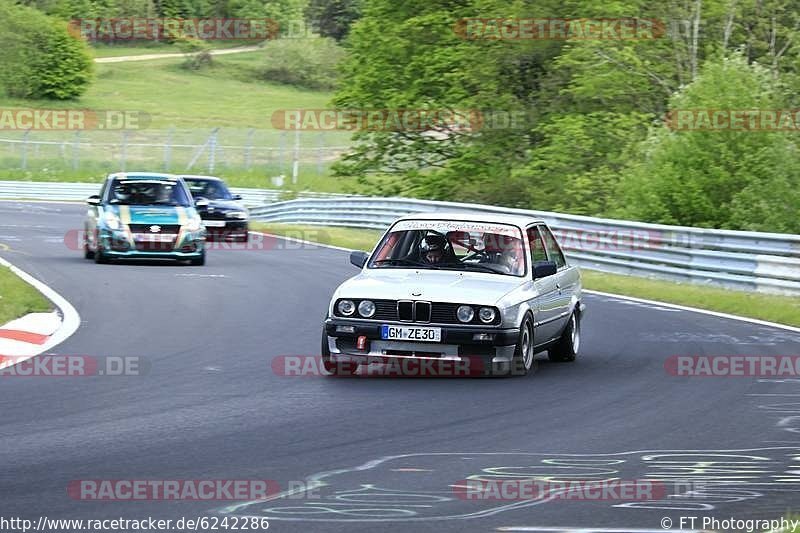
{"x": 39, "y": 57}
{"x": 333, "y": 18}
{"x": 718, "y": 178}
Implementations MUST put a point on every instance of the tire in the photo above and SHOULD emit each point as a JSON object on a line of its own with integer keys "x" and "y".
{"x": 99, "y": 257}
{"x": 524, "y": 361}
{"x": 243, "y": 239}
{"x": 87, "y": 253}
{"x": 198, "y": 261}
{"x": 344, "y": 368}
{"x": 566, "y": 348}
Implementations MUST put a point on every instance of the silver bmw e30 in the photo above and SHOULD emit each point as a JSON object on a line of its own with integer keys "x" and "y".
{"x": 489, "y": 289}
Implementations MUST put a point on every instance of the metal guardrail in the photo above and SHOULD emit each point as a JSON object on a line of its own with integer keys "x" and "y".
{"x": 77, "y": 192}
{"x": 766, "y": 262}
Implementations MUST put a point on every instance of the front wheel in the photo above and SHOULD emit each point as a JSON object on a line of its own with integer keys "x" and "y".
{"x": 87, "y": 253}
{"x": 524, "y": 362}
{"x": 566, "y": 348}
{"x": 99, "y": 256}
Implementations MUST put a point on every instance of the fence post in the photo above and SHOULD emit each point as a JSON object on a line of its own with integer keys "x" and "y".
{"x": 320, "y": 152}
{"x": 248, "y": 151}
{"x": 296, "y": 161}
{"x": 124, "y": 150}
{"x": 212, "y": 150}
{"x": 281, "y": 151}
{"x": 168, "y": 149}
{"x": 76, "y": 150}
{"x": 25, "y": 149}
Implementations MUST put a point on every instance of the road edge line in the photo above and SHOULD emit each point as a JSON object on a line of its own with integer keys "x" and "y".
{"x": 70, "y": 319}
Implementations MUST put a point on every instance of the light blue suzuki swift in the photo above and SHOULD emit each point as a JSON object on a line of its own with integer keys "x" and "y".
{"x": 141, "y": 215}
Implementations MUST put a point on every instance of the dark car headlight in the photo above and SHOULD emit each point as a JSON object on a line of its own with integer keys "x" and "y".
{"x": 487, "y": 315}
{"x": 346, "y": 307}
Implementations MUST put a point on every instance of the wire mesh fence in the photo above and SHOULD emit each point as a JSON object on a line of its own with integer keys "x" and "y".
{"x": 172, "y": 150}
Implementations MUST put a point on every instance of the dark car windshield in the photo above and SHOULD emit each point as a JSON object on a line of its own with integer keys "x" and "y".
{"x": 444, "y": 245}
{"x": 148, "y": 192}
{"x": 211, "y": 189}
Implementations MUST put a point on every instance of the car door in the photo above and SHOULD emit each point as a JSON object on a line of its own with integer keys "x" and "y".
{"x": 545, "y": 304}
{"x": 567, "y": 280}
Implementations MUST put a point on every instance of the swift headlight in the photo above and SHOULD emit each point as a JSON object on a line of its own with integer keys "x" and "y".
{"x": 237, "y": 215}
{"x": 194, "y": 224}
{"x": 487, "y": 315}
{"x": 346, "y": 307}
{"x": 465, "y": 313}
{"x": 112, "y": 221}
{"x": 366, "y": 308}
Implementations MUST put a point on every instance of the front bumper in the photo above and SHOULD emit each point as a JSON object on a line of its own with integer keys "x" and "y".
{"x": 120, "y": 244}
{"x": 232, "y": 230}
{"x": 484, "y": 345}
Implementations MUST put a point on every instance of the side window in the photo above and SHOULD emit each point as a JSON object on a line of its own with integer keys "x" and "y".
{"x": 552, "y": 248}
{"x": 537, "y": 245}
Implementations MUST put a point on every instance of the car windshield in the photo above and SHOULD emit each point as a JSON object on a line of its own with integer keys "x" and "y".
{"x": 452, "y": 245}
{"x": 148, "y": 192}
{"x": 211, "y": 189}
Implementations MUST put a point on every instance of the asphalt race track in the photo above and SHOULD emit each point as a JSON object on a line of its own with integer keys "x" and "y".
{"x": 385, "y": 451}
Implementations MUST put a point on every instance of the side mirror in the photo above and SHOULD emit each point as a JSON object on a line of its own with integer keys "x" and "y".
{"x": 542, "y": 269}
{"x": 201, "y": 202}
{"x": 358, "y": 259}
{"x": 237, "y": 197}
{"x": 93, "y": 200}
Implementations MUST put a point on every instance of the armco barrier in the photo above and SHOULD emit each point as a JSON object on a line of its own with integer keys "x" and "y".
{"x": 766, "y": 262}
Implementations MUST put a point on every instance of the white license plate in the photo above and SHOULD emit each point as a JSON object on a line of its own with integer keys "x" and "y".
{"x": 153, "y": 237}
{"x": 214, "y": 223}
{"x": 411, "y": 333}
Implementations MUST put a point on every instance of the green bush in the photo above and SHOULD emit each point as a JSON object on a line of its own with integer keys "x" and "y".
{"x": 39, "y": 57}
{"x": 309, "y": 63}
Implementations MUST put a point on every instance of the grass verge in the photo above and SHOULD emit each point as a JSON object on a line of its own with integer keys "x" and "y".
{"x": 781, "y": 309}
{"x": 17, "y": 298}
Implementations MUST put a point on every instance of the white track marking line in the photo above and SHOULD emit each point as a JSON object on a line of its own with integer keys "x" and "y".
{"x": 71, "y": 319}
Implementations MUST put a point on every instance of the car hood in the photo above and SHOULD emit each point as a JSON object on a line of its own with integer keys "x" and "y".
{"x": 152, "y": 214}
{"x": 431, "y": 285}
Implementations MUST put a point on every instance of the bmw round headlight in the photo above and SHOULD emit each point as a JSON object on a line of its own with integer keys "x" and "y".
{"x": 346, "y": 307}
{"x": 465, "y": 313}
{"x": 486, "y": 314}
{"x": 366, "y": 308}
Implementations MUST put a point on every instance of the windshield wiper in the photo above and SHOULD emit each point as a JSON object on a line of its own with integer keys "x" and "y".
{"x": 476, "y": 266}
{"x": 404, "y": 262}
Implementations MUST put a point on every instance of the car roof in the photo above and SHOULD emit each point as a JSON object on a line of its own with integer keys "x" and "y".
{"x": 143, "y": 175}
{"x": 494, "y": 218}
{"x": 199, "y": 177}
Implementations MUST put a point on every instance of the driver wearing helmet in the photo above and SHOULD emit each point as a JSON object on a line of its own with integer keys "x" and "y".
{"x": 432, "y": 249}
